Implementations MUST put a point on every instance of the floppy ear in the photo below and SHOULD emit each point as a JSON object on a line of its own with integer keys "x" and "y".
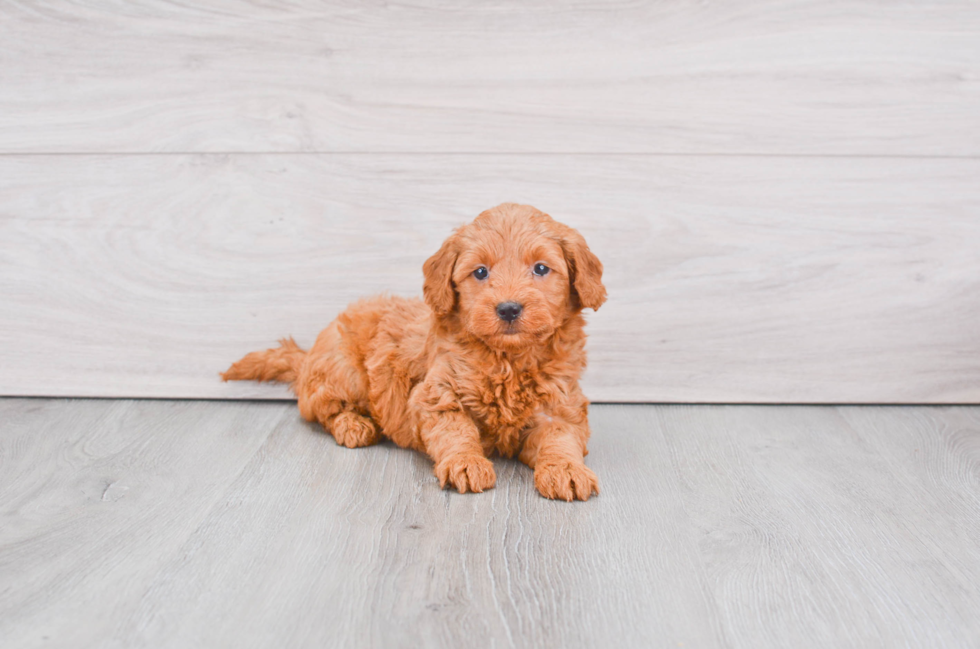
{"x": 438, "y": 289}
{"x": 586, "y": 269}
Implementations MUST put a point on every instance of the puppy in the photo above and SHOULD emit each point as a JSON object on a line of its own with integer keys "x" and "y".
{"x": 489, "y": 362}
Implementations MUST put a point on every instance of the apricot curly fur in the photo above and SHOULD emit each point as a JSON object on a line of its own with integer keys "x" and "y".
{"x": 450, "y": 377}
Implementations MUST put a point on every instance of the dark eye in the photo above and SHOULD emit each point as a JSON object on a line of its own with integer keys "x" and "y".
{"x": 541, "y": 269}
{"x": 481, "y": 272}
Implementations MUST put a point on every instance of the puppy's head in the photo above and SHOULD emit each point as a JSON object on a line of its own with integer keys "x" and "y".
{"x": 513, "y": 276}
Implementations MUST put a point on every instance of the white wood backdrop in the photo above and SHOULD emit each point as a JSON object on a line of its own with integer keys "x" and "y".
{"x": 786, "y": 196}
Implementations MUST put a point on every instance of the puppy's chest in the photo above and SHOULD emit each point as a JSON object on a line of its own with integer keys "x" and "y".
{"x": 503, "y": 407}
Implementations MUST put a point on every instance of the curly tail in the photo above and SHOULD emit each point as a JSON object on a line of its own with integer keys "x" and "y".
{"x": 281, "y": 364}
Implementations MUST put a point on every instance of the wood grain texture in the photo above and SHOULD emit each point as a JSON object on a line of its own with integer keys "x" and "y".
{"x": 817, "y": 77}
{"x": 717, "y": 526}
{"x": 94, "y": 495}
{"x": 811, "y": 537}
{"x": 731, "y": 279}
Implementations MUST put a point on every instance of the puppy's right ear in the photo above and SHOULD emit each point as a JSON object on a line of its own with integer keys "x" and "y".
{"x": 438, "y": 289}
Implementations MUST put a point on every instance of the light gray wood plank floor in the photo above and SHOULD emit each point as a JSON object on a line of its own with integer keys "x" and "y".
{"x": 196, "y": 523}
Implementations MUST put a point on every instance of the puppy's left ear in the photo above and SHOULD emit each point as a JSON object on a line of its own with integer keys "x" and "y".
{"x": 438, "y": 289}
{"x": 586, "y": 269}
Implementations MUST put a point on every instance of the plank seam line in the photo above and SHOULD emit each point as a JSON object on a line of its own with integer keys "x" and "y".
{"x": 284, "y": 400}
{"x": 608, "y": 154}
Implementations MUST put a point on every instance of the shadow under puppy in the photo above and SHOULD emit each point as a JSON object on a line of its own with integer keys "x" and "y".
{"x": 490, "y": 361}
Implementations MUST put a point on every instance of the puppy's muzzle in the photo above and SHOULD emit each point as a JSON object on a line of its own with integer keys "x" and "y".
{"x": 509, "y": 311}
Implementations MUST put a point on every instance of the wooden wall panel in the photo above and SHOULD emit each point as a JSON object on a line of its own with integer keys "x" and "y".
{"x": 785, "y": 195}
{"x": 731, "y": 279}
{"x": 758, "y": 76}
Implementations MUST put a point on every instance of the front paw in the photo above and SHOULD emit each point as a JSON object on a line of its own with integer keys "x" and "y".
{"x": 466, "y": 473}
{"x": 565, "y": 480}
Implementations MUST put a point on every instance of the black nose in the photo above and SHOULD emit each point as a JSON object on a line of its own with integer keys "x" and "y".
{"x": 509, "y": 311}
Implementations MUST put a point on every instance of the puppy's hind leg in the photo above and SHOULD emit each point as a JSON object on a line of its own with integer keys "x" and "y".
{"x": 333, "y": 390}
{"x": 352, "y": 429}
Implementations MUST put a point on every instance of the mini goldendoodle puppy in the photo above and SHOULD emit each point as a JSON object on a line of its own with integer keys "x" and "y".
{"x": 489, "y": 362}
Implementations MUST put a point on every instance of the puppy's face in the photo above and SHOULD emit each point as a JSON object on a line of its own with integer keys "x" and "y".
{"x": 513, "y": 276}
{"x": 512, "y": 284}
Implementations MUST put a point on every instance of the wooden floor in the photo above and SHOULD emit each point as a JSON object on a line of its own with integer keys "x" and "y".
{"x": 195, "y": 523}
